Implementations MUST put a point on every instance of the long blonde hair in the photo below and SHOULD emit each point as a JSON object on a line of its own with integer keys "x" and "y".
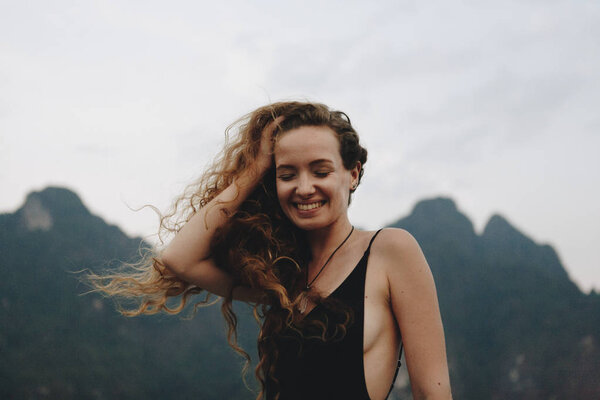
{"x": 257, "y": 246}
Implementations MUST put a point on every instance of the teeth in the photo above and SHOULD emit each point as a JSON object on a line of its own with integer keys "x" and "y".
{"x": 306, "y": 207}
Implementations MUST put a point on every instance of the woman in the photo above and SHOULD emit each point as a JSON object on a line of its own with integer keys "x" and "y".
{"x": 268, "y": 224}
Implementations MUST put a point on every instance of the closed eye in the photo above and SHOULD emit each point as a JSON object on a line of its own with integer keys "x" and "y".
{"x": 286, "y": 177}
{"x": 322, "y": 174}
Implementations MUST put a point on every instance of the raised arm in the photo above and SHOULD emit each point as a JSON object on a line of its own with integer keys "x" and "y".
{"x": 415, "y": 306}
{"x": 188, "y": 255}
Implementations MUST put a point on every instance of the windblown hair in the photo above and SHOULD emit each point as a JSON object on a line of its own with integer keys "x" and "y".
{"x": 258, "y": 246}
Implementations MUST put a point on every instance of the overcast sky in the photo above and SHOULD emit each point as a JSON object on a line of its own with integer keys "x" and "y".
{"x": 492, "y": 103}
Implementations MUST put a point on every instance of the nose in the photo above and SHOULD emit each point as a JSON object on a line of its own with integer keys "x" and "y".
{"x": 305, "y": 186}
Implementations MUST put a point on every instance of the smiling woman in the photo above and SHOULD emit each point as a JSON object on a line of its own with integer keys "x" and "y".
{"x": 313, "y": 186}
{"x": 268, "y": 224}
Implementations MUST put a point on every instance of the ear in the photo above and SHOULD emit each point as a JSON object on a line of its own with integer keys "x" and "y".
{"x": 354, "y": 174}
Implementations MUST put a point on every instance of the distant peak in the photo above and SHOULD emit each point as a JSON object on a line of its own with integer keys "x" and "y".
{"x": 499, "y": 229}
{"x": 35, "y": 215}
{"x": 497, "y": 224}
{"x": 438, "y": 214}
{"x": 436, "y": 205}
{"x": 42, "y": 208}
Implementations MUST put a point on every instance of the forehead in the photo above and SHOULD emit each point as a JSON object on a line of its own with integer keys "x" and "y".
{"x": 306, "y": 144}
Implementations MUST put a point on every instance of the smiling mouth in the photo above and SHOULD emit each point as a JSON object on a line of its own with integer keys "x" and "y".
{"x": 309, "y": 206}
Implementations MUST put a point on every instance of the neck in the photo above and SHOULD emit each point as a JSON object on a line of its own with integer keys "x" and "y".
{"x": 323, "y": 241}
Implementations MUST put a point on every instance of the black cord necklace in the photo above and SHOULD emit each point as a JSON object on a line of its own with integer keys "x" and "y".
{"x": 308, "y": 284}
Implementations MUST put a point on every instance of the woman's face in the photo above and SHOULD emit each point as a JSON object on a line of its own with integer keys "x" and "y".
{"x": 312, "y": 184}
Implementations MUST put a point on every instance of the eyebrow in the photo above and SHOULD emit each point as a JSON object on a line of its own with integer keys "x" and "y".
{"x": 312, "y": 164}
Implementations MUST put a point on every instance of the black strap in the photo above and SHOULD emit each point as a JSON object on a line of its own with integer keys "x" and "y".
{"x": 397, "y": 369}
{"x": 371, "y": 242}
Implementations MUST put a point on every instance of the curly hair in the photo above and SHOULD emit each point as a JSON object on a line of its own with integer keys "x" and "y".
{"x": 258, "y": 246}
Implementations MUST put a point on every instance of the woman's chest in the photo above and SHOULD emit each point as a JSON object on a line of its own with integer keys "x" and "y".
{"x": 379, "y": 321}
{"x": 381, "y": 335}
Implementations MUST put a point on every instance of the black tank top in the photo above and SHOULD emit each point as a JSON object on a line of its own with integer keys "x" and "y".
{"x": 308, "y": 368}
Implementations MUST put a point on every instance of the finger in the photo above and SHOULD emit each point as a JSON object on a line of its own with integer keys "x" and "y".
{"x": 270, "y": 128}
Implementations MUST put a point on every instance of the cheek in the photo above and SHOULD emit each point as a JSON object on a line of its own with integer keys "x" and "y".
{"x": 281, "y": 192}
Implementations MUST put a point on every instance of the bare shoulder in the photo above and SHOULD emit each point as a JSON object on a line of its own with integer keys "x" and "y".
{"x": 399, "y": 253}
{"x": 414, "y": 303}
{"x": 392, "y": 243}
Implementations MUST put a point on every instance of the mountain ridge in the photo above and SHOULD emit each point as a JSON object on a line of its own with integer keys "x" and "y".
{"x": 516, "y": 326}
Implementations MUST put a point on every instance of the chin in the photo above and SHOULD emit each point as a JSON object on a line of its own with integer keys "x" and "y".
{"x": 310, "y": 224}
{"x": 308, "y": 227}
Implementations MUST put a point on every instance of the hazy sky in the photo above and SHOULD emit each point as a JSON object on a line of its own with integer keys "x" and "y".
{"x": 492, "y": 103}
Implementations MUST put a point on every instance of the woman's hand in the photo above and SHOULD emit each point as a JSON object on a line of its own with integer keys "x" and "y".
{"x": 188, "y": 255}
{"x": 264, "y": 158}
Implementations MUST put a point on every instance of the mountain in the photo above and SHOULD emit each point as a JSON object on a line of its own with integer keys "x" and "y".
{"x": 516, "y": 325}
{"x": 57, "y": 343}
